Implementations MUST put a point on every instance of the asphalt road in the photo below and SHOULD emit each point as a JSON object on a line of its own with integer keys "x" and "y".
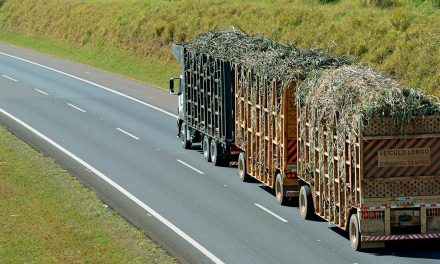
{"x": 124, "y": 147}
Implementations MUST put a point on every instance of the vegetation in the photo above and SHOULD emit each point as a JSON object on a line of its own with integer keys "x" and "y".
{"x": 264, "y": 56}
{"x": 401, "y": 39}
{"x": 48, "y": 217}
{"x": 354, "y": 94}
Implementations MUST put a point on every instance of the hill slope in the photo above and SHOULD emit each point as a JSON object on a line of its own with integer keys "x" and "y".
{"x": 402, "y": 41}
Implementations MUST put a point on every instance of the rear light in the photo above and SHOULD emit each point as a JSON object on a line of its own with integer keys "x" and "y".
{"x": 234, "y": 150}
{"x": 433, "y": 212}
{"x": 373, "y": 214}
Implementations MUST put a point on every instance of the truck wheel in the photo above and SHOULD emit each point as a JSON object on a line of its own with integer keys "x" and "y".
{"x": 279, "y": 190}
{"x": 183, "y": 137}
{"x": 306, "y": 202}
{"x": 206, "y": 148}
{"x": 354, "y": 233}
{"x": 214, "y": 153}
{"x": 242, "y": 167}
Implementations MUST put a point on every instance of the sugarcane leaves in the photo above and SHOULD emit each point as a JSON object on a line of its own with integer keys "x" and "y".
{"x": 266, "y": 57}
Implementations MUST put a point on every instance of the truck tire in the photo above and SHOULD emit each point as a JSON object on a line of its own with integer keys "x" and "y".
{"x": 206, "y": 148}
{"x": 279, "y": 190}
{"x": 242, "y": 173}
{"x": 354, "y": 232}
{"x": 186, "y": 144}
{"x": 214, "y": 153}
{"x": 306, "y": 202}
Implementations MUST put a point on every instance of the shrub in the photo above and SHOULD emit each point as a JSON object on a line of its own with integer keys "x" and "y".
{"x": 382, "y": 3}
{"x": 329, "y": 1}
{"x": 435, "y": 3}
{"x": 321, "y": 1}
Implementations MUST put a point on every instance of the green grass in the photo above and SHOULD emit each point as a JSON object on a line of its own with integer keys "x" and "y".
{"x": 47, "y": 216}
{"x": 155, "y": 72}
{"x": 134, "y": 38}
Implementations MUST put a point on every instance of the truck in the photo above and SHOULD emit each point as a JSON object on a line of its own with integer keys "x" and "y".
{"x": 205, "y": 110}
{"x": 266, "y": 131}
{"x": 380, "y": 183}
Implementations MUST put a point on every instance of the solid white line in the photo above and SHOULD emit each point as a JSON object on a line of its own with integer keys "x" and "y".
{"x": 270, "y": 212}
{"x": 92, "y": 83}
{"x": 128, "y": 134}
{"x": 76, "y": 107}
{"x": 12, "y": 79}
{"x": 191, "y": 167}
{"x": 119, "y": 188}
{"x": 41, "y": 92}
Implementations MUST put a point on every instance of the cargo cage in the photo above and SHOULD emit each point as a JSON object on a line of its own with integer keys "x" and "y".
{"x": 207, "y": 104}
{"x": 356, "y": 183}
{"x": 266, "y": 130}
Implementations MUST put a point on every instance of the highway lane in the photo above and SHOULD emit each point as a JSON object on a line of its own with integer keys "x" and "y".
{"x": 136, "y": 147}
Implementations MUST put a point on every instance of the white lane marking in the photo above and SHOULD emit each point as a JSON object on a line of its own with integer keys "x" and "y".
{"x": 92, "y": 83}
{"x": 12, "y": 79}
{"x": 128, "y": 134}
{"x": 76, "y": 107}
{"x": 41, "y": 92}
{"x": 270, "y": 212}
{"x": 148, "y": 209}
{"x": 191, "y": 167}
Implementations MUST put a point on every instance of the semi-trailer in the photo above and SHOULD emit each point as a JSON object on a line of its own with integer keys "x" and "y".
{"x": 266, "y": 131}
{"x": 377, "y": 177}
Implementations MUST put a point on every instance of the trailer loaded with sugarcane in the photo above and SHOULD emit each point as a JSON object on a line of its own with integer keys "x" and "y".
{"x": 205, "y": 111}
{"x": 369, "y": 156}
{"x": 356, "y": 148}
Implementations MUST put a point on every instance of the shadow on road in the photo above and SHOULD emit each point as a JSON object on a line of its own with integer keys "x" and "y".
{"x": 421, "y": 249}
{"x": 412, "y": 249}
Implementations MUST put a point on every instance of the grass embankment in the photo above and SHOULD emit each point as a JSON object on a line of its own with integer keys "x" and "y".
{"x": 47, "y": 216}
{"x": 134, "y": 37}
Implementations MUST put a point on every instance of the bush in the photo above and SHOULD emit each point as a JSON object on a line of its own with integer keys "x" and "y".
{"x": 329, "y": 1}
{"x": 435, "y": 3}
{"x": 382, "y": 3}
{"x": 321, "y": 1}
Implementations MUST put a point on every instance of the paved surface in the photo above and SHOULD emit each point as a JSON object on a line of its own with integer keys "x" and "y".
{"x": 128, "y": 152}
